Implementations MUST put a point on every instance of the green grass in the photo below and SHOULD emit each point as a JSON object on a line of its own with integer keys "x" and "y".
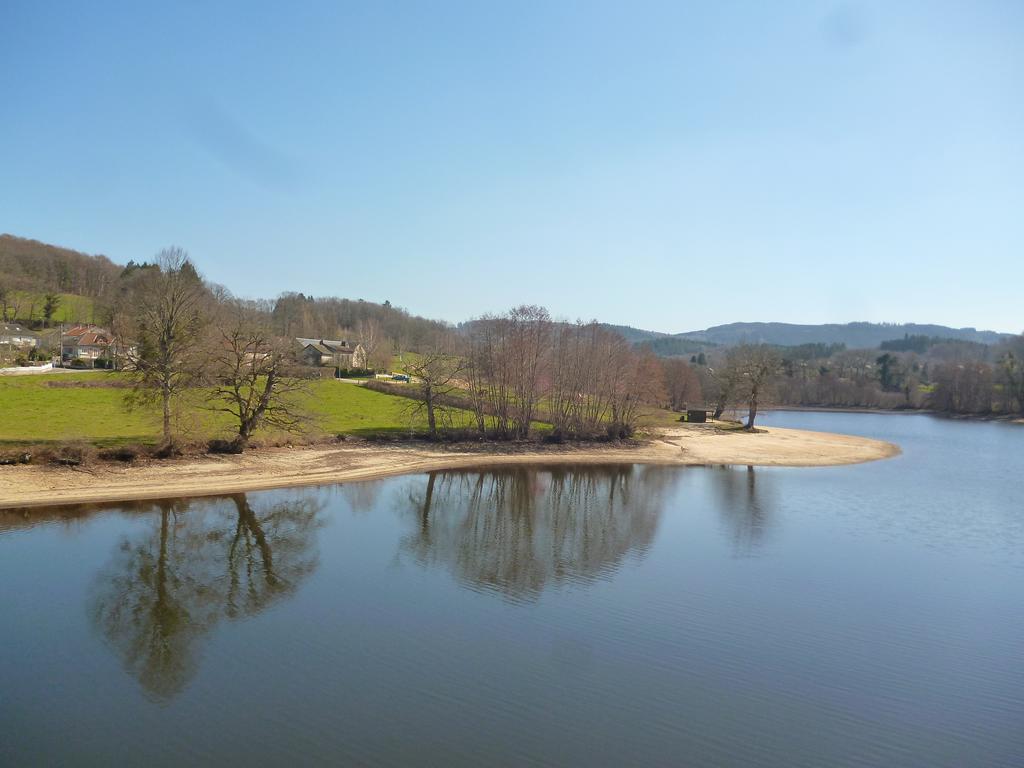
{"x": 31, "y": 412}
{"x": 38, "y": 410}
{"x": 343, "y": 408}
{"x": 72, "y": 309}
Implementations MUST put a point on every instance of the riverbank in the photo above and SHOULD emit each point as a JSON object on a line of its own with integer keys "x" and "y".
{"x": 697, "y": 445}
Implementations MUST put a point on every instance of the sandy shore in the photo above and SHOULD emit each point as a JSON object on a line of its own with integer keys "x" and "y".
{"x": 26, "y": 486}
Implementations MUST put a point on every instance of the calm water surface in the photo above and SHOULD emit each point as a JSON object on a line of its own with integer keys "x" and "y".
{"x": 848, "y": 616}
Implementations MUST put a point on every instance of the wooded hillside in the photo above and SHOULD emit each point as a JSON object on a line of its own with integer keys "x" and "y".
{"x": 36, "y": 279}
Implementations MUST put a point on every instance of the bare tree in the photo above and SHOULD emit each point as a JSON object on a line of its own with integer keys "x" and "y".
{"x": 10, "y": 302}
{"x": 580, "y": 377}
{"x": 253, "y": 375}
{"x": 508, "y": 355}
{"x": 682, "y": 385}
{"x": 722, "y": 383}
{"x": 161, "y": 338}
{"x": 965, "y": 387}
{"x": 638, "y": 381}
{"x": 529, "y": 342}
{"x": 437, "y": 371}
{"x": 754, "y": 367}
{"x": 370, "y": 333}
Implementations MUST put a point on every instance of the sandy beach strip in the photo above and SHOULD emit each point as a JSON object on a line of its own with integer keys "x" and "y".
{"x": 33, "y": 486}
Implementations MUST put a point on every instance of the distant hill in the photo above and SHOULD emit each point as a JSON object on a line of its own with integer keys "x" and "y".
{"x": 634, "y": 335}
{"x": 853, "y": 335}
{"x": 31, "y": 270}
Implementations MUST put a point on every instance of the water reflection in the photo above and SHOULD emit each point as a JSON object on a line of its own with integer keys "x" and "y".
{"x": 196, "y": 563}
{"x": 516, "y": 530}
{"x": 746, "y": 508}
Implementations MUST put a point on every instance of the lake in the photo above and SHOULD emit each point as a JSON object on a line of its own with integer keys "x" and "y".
{"x": 845, "y": 616}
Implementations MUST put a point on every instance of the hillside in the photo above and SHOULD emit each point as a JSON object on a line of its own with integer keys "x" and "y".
{"x": 30, "y": 271}
{"x": 634, "y": 335}
{"x": 853, "y": 335}
{"x": 84, "y": 285}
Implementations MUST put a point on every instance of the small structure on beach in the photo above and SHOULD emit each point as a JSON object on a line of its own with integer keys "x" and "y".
{"x": 695, "y": 415}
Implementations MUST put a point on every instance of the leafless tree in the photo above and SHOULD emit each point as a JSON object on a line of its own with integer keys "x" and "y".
{"x": 638, "y": 381}
{"x": 253, "y": 375}
{"x": 370, "y": 333}
{"x": 581, "y": 379}
{"x": 754, "y": 368}
{"x": 437, "y": 371}
{"x": 965, "y": 387}
{"x": 722, "y": 384}
{"x": 10, "y": 302}
{"x": 161, "y": 337}
{"x": 528, "y": 346}
{"x": 682, "y": 384}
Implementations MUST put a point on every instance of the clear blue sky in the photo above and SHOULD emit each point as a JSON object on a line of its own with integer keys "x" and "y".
{"x": 667, "y": 165}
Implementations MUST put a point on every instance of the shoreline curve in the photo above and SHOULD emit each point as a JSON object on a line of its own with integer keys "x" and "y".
{"x": 41, "y": 486}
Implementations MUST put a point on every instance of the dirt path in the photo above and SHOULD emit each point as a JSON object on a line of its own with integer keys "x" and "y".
{"x": 25, "y": 486}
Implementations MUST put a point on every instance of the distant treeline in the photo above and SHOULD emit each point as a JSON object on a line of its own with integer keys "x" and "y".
{"x": 945, "y": 375}
{"x": 673, "y": 346}
{"x": 921, "y": 344}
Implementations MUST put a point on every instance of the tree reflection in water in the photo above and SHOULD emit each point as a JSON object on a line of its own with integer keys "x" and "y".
{"x": 516, "y": 530}
{"x": 199, "y": 562}
{"x": 746, "y": 511}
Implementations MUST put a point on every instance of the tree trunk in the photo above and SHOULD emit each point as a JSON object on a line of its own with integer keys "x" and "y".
{"x": 753, "y": 410}
{"x": 166, "y": 396}
{"x": 428, "y": 396}
{"x": 241, "y": 441}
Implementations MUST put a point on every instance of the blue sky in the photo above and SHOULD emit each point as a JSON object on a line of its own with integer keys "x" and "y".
{"x": 665, "y": 165}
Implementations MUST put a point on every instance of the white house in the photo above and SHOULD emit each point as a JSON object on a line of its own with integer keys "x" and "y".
{"x": 13, "y": 335}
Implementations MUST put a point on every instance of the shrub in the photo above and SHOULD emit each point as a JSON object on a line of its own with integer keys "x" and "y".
{"x": 556, "y": 436}
{"x": 217, "y": 445}
{"x": 619, "y": 431}
{"x": 166, "y": 451}
{"x": 71, "y": 455}
{"x": 126, "y": 453}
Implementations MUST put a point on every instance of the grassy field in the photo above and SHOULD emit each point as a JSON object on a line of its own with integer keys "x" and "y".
{"x": 45, "y": 409}
{"x": 72, "y": 308}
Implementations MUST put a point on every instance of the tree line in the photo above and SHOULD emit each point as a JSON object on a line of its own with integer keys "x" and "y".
{"x": 950, "y": 376}
{"x": 177, "y": 334}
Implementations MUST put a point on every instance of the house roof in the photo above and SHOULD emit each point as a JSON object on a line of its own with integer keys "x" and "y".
{"x": 330, "y": 346}
{"x": 77, "y": 331}
{"x": 14, "y": 328}
{"x": 91, "y": 339}
{"x": 325, "y": 349}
